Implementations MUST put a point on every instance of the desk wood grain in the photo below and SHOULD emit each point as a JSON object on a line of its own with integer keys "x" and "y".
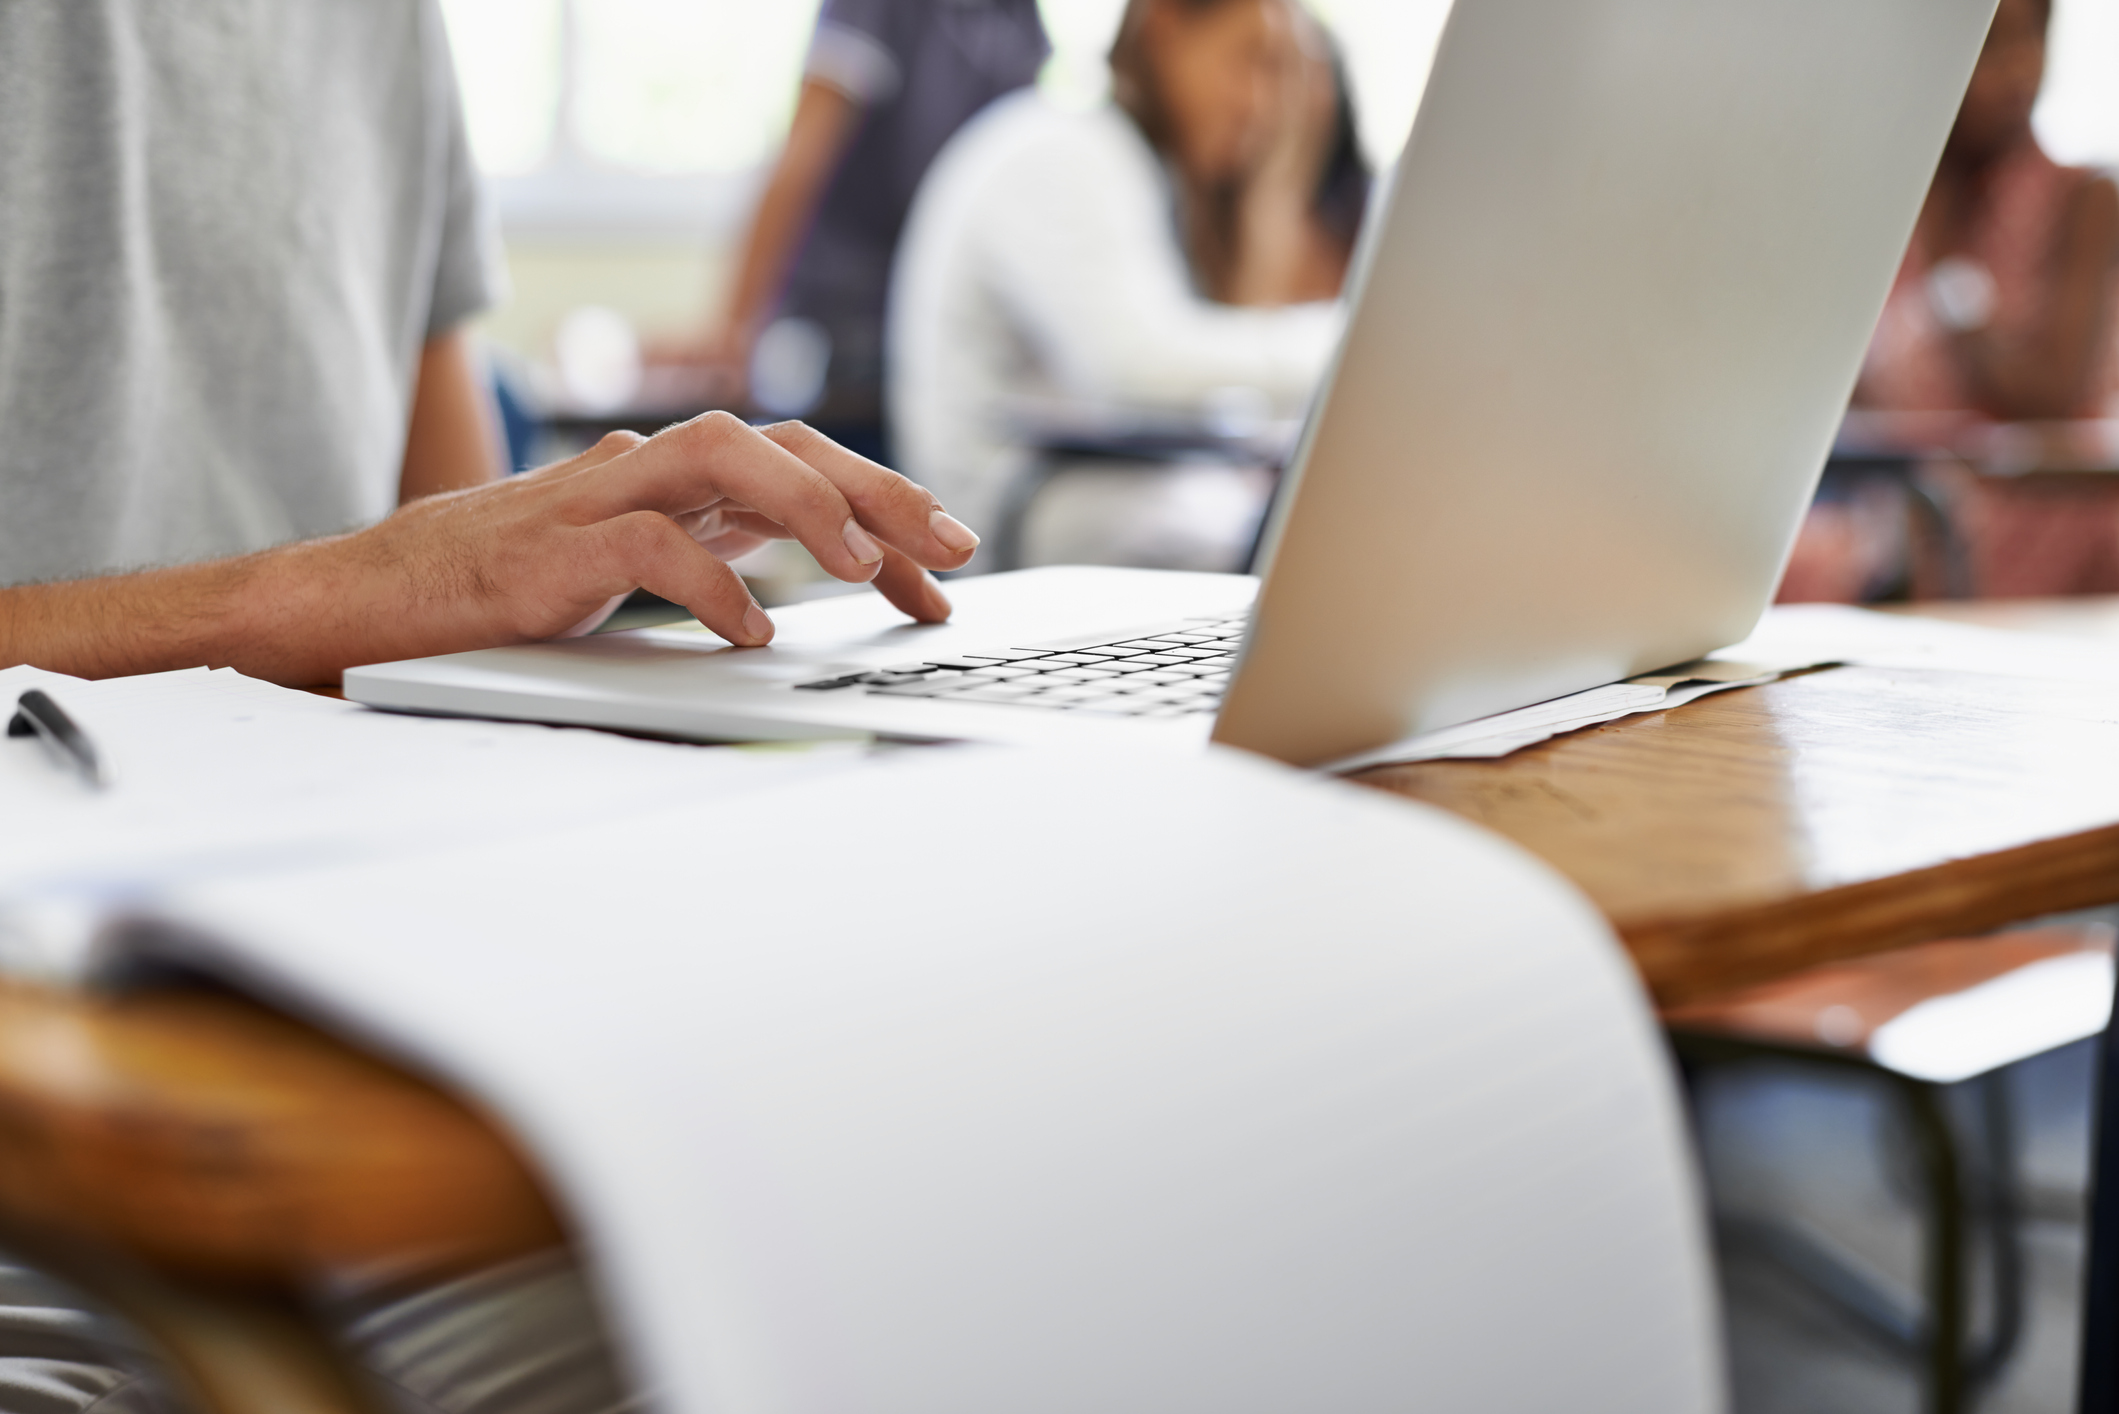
{"x": 1824, "y": 816}
{"x": 214, "y": 1138}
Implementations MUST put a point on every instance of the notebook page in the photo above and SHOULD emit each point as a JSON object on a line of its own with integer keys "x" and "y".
{"x": 981, "y": 1080}
{"x": 215, "y": 774}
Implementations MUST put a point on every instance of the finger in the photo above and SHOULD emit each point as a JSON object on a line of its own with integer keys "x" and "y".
{"x": 650, "y": 550}
{"x": 715, "y": 455}
{"x": 912, "y": 589}
{"x": 899, "y": 511}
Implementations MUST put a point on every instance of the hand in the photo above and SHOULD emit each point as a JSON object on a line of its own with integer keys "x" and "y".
{"x": 713, "y": 368}
{"x": 511, "y": 562}
{"x": 553, "y": 552}
{"x": 1281, "y": 253}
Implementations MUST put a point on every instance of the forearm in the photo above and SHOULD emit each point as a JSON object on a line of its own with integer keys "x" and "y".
{"x": 816, "y": 140}
{"x": 269, "y": 614}
{"x": 452, "y": 440}
{"x": 765, "y": 259}
{"x": 2022, "y": 384}
{"x": 2045, "y": 369}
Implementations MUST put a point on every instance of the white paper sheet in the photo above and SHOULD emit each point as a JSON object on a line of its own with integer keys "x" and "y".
{"x": 214, "y": 773}
{"x": 1790, "y": 638}
{"x": 1506, "y": 733}
{"x": 1837, "y": 633}
{"x": 974, "y": 1081}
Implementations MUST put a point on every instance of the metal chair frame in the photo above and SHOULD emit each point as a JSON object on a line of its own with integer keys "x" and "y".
{"x": 1937, "y": 1332}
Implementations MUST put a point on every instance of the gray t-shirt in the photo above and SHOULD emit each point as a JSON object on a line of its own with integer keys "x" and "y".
{"x": 227, "y": 227}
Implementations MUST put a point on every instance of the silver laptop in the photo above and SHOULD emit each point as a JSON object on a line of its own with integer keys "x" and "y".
{"x": 1604, "y": 323}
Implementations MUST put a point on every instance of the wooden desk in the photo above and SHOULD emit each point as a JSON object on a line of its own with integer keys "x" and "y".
{"x": 1745, "y": 836}
{"x": 1841, "y": 812}
{"x": 1824, "y": 816}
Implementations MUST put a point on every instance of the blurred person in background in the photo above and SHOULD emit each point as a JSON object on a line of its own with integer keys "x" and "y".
{"x": 885, "y": 85}
{"x": 2004, "y": 310}
{"x": 1175, "y": 247}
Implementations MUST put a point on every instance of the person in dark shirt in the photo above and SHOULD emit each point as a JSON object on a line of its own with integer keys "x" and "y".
{"x": 886, "y": 84}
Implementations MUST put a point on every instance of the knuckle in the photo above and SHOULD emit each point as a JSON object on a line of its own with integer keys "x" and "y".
{"x": 889, "y": 493}
{"x": 615, "y": 443}
{"x": 793, "y": 434}
{"x": 718, "y": 428}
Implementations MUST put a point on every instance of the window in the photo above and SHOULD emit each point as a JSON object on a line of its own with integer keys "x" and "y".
{"x": 660, "y": 112}
{"x": 644, "y": 114}
{"x": 2078, "y": 114}
{"x": 657, "y": 114}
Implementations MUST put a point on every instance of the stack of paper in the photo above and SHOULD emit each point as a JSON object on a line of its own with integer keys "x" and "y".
{"x": 1027, "y": 1082}
{"x": 214, "y": 774}
{"x": 1508, "y": 732}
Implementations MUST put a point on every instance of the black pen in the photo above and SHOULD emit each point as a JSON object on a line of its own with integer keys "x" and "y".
{"x": 37, "y": 715}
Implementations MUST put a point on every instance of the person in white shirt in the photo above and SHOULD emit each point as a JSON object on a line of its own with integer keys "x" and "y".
{"x": 1164, "y": 252}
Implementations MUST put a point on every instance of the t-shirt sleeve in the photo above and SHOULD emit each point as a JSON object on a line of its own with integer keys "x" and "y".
{"x": 857, "y": 49}
{"x": 469, "y": 274}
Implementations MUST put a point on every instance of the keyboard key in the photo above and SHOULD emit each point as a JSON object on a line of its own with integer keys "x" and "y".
{"x": 1002, "y": 674}
{"x": 925, "y": 687}
{"x": 1156, "y": 659}
{"x": 827, "y": 684}
{"x": 994, "y": 692}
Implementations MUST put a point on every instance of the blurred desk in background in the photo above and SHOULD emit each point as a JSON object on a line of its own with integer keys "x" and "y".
{"x": 1149, "y": 489}
{"x": 1986, "y": 509}
{"x": 2006, "y": 449}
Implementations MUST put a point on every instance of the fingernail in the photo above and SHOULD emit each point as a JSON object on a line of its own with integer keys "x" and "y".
{"x": 756, "y": 625}
{"x": 951, "y": 531}
{"x": 860, "y": 543}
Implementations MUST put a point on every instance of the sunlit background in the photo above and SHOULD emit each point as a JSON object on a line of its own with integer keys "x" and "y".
{"x": 626, "y": 138}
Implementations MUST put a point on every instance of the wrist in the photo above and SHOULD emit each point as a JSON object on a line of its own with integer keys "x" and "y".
{"x": 297, "y": 614}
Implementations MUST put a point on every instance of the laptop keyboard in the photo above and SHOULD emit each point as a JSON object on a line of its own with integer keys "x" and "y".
{"x": 1180, "y": 673}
